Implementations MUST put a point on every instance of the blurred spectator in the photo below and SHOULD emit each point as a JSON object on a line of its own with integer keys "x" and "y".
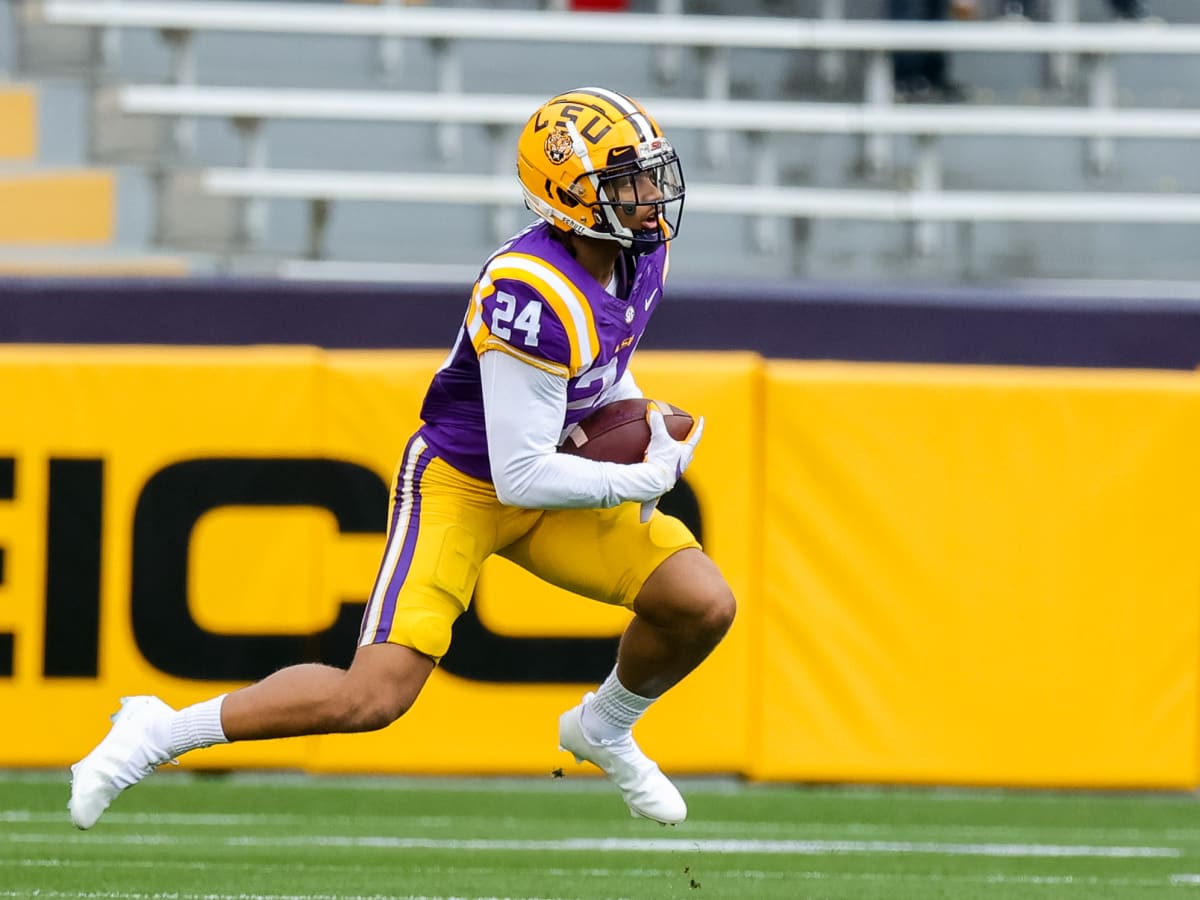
{"x": 924, "y": 74}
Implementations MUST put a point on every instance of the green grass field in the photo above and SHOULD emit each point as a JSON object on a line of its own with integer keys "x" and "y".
{"x": 185, "y": 837}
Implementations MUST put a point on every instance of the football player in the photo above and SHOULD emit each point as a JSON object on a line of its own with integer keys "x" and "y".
{"x": 549, "y": 331}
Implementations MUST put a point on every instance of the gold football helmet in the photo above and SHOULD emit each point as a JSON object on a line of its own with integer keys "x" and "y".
{"x": 589, "y": 152}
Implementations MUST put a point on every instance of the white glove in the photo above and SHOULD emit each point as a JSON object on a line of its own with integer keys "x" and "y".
{"x": 669, "y": 456}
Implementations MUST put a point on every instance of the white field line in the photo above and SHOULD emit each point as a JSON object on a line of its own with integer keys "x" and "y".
{"x": 258, "y": 866}
{"x": 669, "y": 845}
{"x": 983, "y": 833}
{"x": 621, "y": 872}
{"x": 998, "y": 878}
{"x": 636, "y": 845}
{"x": 595, "y": 872}
{"x": 1089, "y": 881}
{"x": 229, "y": 820}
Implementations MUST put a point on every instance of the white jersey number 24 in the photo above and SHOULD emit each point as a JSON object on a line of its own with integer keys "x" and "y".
{"x": 529, "y": 322}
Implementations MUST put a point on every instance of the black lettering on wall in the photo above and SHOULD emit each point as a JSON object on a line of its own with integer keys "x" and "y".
{"x": 171, "y": 503}
{"x": 479, "y": 654}
{"x": 73, "y": 530}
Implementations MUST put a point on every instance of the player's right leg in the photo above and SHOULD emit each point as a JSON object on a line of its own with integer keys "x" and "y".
{"x": 380, "y": 685}
{"x": 441, "y": 527}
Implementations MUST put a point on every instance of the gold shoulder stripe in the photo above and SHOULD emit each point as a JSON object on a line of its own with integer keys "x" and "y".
{"x": 567, "y": 301}
{"x": 492, "y": 343}
{"x": 477, "y": 329}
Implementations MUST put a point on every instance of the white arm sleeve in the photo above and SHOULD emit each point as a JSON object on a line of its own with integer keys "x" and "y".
{"x": 523, "y": 410}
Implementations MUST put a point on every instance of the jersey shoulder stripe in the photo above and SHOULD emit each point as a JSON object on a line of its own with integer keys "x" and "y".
{"x": 538, "y": 362}
{"x": 477, "y": 329}
{"x": 482, "y": 338}
{"x": 564, "y": 298}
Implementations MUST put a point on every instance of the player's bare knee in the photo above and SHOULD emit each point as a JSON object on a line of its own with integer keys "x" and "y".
{"x": 369, "y": 704}
{"x": 720, "y": 611}
{"x": 381, "y": 686}
{"x": 712, "y": 613}
{"x": 382, "y": 712}
{"x": 370, "y": 710}
{"x": 704, "y": 610}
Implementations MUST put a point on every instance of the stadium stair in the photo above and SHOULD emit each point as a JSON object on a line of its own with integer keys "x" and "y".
{"x": 18, "y": 124}
{"x": 57, "y": 221}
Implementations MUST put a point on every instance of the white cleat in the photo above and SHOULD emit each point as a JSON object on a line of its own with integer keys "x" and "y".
{"x": 123, "y": 758}
{"x": 647, "y": 791}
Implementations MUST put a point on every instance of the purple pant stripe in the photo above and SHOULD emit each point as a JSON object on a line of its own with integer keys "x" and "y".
{"x": 393, "y": 534}
{"x": 400, "y": 573}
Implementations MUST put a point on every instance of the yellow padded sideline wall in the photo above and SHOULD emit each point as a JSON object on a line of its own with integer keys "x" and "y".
{"x": 980, "y": 576}
{"x": 139, "y": 478}
{"x": 952, "y": 575}
{"x": 89, "y": 429}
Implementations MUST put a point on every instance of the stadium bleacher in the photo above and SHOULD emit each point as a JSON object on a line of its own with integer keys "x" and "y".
{"x": 239, "y": 150}
{"x": 58, "y": 220}
{"x": 44, "y": 206}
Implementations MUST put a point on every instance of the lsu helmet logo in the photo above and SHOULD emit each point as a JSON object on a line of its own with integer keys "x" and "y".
{"x": 558, "y": 147}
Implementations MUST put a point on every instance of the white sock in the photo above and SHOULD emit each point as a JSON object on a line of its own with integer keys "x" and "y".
{"x": 612, "y": 712}
{"x": 197, "y": 726}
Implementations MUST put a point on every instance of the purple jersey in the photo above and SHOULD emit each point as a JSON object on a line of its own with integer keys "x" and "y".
{"x": 535, "y": 302}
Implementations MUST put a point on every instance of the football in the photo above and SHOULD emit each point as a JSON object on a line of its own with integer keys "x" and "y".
{"x": 618, "y": 432}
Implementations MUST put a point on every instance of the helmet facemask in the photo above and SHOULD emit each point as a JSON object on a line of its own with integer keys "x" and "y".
{"x": 648, "y": 178}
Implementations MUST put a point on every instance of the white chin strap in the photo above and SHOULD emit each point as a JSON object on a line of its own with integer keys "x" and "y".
{"x": 618, "y": 231}
{"x": 554, "y": 217}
